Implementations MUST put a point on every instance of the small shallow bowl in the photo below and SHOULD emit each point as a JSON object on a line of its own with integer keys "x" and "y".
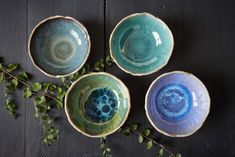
{"x": 97, "y": 104}
{"x": 141, "y": 44}
{"x": 177, "y": 104}
{"x": 59, "y": 46}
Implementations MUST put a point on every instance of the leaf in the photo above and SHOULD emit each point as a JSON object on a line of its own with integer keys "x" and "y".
{"x": 52, "y": 87}
{"x": 83, "y": 71}
{"x": 103, "y": 146}
{"x": 36, "y": 115}
{"x": 178, "y": 155}
{"x": 97, "y": 64}
{"x": 63, "y": 79}
{"x": 87, "y": 66}
{"x": 11, "y": 107}
{"x": 160, "y": 152}
{"x": 2, "y": 76}
{"x": 149, "y": 145}
{"x": 50, "y": 137}
{"x": 59, "y": 104}
{"x": 126, "y": 131}
{"x": 146, "y": 132}
{"x": 59, "y": 89}
{"x": 11, "y": 67}
{"x": 71, "y": 77}
{"x": 27, "y": 93}
{"x": 140, "y": 139}
{"x": 12, "y": 86}
{"x": 107, "y": 59}
{"x": 97, "y": 69}
{"x": 61, "y": 95}
{"x": 39, "y": 100}
{"x": 46, "y": 86}
{"x": 23, "y": 76}
{"x": 133, "y": 127}
{"x": 36, "y": 87}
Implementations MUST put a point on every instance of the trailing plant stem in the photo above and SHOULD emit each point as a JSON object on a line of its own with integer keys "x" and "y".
{"x": 26, "y": 84}
{"x": 154, "y": 142}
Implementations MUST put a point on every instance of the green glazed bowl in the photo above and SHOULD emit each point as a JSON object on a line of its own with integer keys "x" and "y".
{"x": 97, "y": 104}
{"x": 141, "y": 44}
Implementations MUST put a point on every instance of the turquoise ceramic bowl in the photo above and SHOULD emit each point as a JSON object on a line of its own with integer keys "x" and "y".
{"x": 59, "y": 46}
{"x": 177, "y": 104}
{"x": 141, "y": 44}
{"x": 97, "y": 104}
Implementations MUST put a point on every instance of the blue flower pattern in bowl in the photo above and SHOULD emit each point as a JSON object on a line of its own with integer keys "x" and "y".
{"x": 177, "y": 104}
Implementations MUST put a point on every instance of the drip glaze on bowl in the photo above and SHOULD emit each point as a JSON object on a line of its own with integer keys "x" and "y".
{"x": 177, "y": 104}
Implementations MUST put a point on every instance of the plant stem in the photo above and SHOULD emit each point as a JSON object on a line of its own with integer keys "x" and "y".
{"x": 154, "y": 142}
{"x": 25, "y": 83}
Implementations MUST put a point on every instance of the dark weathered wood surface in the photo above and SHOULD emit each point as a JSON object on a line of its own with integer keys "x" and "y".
{"x": 204, "y": 33}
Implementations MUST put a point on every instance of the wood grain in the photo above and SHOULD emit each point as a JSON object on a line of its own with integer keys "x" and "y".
{"x": 204, "y": 45}
{"x": 13, "y": 43}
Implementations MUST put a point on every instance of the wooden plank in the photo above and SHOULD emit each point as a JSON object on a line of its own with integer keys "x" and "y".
{"x": 70, "y": 142}
{"x": 170, "y": 12}
{"x": 12, "y": 50}
{"x": 203, "y": 32}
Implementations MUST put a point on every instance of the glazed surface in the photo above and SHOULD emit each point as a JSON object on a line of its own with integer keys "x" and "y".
{"x": 59, "y": 46}
{"x": 177, "y": 104}
{"x": 141, "y": 44}
{"x": 98, "y": 104}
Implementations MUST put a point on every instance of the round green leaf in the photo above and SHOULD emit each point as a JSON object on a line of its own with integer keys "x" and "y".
{"x": 149, "y": 145}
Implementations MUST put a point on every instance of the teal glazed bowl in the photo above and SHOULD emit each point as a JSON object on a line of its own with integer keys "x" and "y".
{"x": 97, "y": 104}
{"x": 177, "y": 104}
{"x": 59, "y": 46}
{"x": 141, "y": 44}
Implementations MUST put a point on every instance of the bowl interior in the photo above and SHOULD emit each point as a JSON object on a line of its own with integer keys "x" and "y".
{"x": 177, "y": 104}
{"x": 59, "y": 46}
{"x": 98, "y": 104}
{"x": 141, "y": 44}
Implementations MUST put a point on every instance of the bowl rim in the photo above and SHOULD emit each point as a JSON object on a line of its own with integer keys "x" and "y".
{"x": 126, "y": 18}
{"x": 52, "y": 18}
{"x": 146, "y": 104}
{"x": 68, "y": 115}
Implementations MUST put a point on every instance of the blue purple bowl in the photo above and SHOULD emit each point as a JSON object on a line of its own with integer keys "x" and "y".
{"x": 177, "y": 104}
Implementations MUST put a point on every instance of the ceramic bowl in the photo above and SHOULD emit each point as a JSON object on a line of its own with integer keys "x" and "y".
{"x": 59, "y": 46}
{"x": 177, "y": 104}
{"x": 141, "y": 44}
{"x": 97, "y": 104}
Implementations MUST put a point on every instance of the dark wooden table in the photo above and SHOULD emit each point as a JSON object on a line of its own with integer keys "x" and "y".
{"x": 204, "y": 33}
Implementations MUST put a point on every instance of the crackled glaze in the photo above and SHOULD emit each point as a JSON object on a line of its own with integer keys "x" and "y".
{"x": 141, "y": 44}
{"x": 173, "y": 102}
{"x": 59, "y": 46}
{"x": 177, "y": 104}
{"x": 101, "y": 105}
{"x": 97, "y": 104}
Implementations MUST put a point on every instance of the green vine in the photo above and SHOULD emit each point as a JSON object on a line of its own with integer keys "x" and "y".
{"x": 106, "y": 151}
{"x": 47, "y": 96}
{"x": 144, "y": 136}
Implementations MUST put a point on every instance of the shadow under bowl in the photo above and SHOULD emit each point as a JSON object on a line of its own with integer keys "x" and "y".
{"x": 97, "y": 104}
{"x": 141, "y": 44}
{"x": 177, "y": 104}
{"x": 59, "y": 46}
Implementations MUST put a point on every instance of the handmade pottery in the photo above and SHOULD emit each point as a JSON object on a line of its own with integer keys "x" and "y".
{"x": 141, "y": 44}
{"x": 177, "y": 104}
{"x": 97, "y": 104}
{"x": 59, "y": 46}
